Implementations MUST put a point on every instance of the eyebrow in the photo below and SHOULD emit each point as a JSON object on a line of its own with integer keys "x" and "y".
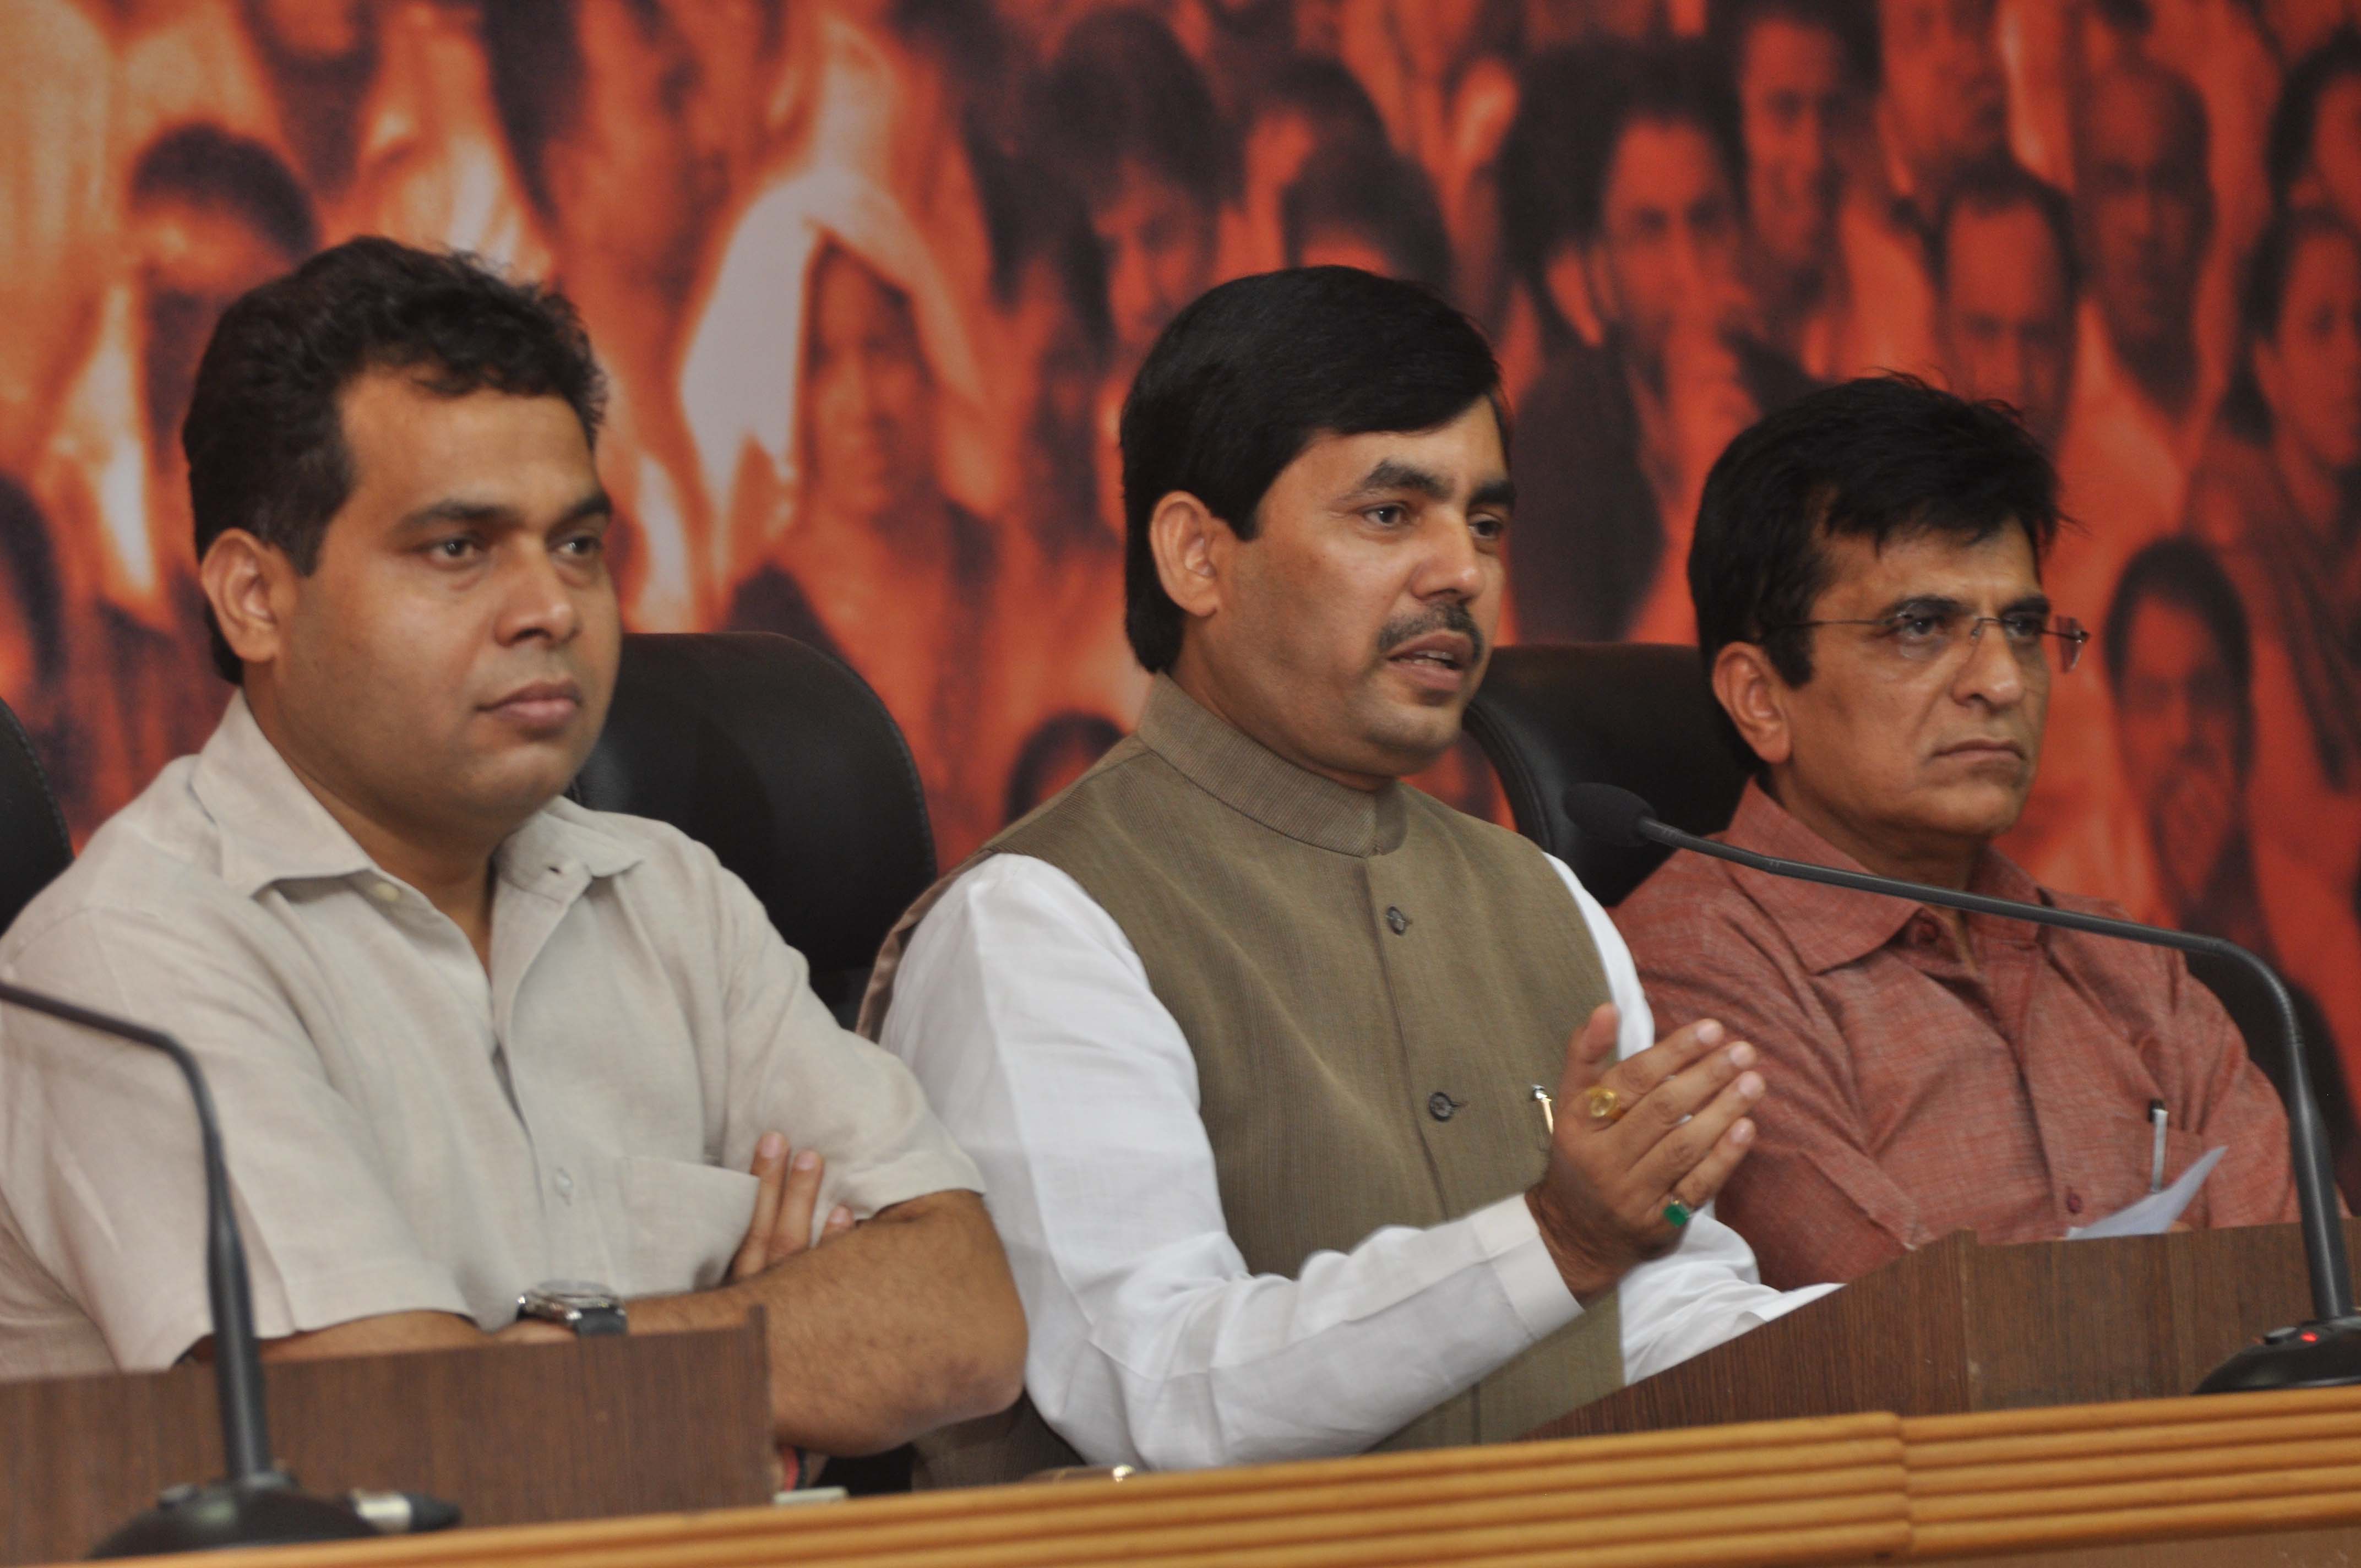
{"x": 597, "y": 503}
{"x": 1943, "y": 604}
{"x": 1394, "y": 475}
{"x": 1391, "y": 475}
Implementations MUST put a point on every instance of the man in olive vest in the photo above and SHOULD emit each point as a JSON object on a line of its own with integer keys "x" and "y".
{"x": 1292, "y": 1086}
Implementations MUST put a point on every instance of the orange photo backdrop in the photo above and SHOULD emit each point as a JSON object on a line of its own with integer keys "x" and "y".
{"x": 869, "y": 278}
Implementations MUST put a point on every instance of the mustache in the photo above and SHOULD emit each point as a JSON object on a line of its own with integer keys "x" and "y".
{"x": 1443, "y": 618}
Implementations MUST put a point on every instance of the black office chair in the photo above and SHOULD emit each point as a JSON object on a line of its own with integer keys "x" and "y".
{"x": 782, "y": 762}
{"x": 1637, "y": 714}
{"x": 34, "y": 847}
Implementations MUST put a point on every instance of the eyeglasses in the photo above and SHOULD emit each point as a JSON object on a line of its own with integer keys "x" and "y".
{"x": 1931, "y": 634}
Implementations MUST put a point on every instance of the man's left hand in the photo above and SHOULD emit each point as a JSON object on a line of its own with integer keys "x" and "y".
{"x": 789, "y": 1188}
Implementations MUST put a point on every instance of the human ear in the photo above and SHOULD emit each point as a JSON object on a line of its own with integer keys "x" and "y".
{"x": 246, "y": 583}
{"x": 1751, "y": 693}
{"x": 1192, "y": 547}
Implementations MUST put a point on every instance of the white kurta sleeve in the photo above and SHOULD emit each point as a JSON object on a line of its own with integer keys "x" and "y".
{"x": 1027, "y": 1016}
{"x": 1707, "y": 1292}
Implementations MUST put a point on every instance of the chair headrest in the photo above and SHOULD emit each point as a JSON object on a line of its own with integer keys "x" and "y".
{"x": 782, "y": 762}
{"x": 33, "y": 845}
{"x": 1636, "y": 715}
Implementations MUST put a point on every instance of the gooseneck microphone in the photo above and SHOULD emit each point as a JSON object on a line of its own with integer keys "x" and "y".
{"x": 256, "y": 1504}
{"x": 2322, "y": 1352}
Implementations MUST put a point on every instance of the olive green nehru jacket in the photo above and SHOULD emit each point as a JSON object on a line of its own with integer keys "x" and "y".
{"x": 1371, "y": 984}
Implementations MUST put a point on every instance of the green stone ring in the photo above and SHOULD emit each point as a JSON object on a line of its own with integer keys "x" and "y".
{"x": 1676, "y": 1214}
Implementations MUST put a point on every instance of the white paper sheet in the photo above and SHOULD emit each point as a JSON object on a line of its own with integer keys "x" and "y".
{"x": 2153, "y": 1214}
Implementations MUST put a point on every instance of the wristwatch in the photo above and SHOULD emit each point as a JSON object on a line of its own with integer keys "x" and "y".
{"x": 584, "y": 1307}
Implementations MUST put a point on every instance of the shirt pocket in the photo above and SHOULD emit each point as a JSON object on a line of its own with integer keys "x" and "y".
{"x": 682, "y": 1224}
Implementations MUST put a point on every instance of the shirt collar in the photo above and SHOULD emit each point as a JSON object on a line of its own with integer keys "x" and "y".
{"x": 1832, "y": 927}
{"x": 1251, "y": 779}
{"x": 274, "y": 830}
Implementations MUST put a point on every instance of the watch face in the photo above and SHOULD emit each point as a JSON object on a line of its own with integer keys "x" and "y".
{"x": 576, "y": 1295}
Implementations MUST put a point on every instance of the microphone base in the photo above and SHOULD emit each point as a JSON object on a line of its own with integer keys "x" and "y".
{"x": 2322, "y": 1355}
{"x": 265, "y": 1511}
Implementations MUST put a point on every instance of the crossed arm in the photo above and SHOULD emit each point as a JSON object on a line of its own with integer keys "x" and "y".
{"x": 893, "y": 1328}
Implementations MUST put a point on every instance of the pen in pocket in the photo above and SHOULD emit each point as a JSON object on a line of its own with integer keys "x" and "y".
{"x": 2156, "y": 1115}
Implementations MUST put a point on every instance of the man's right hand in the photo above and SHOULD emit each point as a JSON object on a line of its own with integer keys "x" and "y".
{"x": 1682, "y": 1130}
{"x": 789, "y": 1187}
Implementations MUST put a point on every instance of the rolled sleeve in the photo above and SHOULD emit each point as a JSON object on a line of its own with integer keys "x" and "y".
{"x": 822, "y": 1086}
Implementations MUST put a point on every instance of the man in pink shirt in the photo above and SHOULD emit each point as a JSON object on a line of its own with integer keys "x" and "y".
{"x": 1866, "y": 575}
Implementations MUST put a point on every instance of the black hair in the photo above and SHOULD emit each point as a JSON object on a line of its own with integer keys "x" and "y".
{"x": 1876, "y": 458}
{"x": 1729, "y": 25}
{"x": 1372, "y": 192}
{"x": 2295, "y": 120}
{"x": 1031, "y": 216}
{"x": 1575, "y": 104}
{"x": 2260, "y": 300}
{"x": 1250, "y": 373}
{"x": 2183, "y": 572}
{"x": 209, "y": 166}
{"x": 1122, "y": 93}
{"x": 1995, "y": 185}
{"x": 264, "y": 433}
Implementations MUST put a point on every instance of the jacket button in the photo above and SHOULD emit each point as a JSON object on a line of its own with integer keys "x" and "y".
{"x": 2074, "y": 1202}
{"x": 1440, "y": 1106}
{"x": 1396, "y": 919}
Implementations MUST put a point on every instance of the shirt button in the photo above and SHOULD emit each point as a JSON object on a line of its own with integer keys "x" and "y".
{"x": 1440, "y": 1106}
{"x": 385, "y": 893}
{"x": 564, "y": 1185}
{"x": 2074, "y": 1202}
{"x": 1396, "y": 919}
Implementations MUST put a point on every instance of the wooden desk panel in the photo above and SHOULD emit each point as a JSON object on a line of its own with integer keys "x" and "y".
{"x": 512, "y": 1433}
{"x": 1957, "y": 1326}
{"x": 2262, "y": 1478}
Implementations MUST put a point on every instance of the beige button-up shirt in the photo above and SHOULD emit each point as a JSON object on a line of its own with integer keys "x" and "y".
{"x": 405, "y": 1129}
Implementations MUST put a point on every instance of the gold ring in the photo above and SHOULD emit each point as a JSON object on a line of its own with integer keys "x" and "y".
{"x": 1606, "y": 1105}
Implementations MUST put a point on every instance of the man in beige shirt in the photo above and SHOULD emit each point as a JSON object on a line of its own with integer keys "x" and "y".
{"x": 465, "y": 1035}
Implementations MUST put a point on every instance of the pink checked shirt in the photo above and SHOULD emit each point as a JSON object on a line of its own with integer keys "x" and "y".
{"x": 1912, "y": 1096}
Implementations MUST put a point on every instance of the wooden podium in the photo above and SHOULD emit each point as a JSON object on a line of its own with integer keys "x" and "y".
{"x": 1956, "y": 1327}
{"x": 514, "y": 1434}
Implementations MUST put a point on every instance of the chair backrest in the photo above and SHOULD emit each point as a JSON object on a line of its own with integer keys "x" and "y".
{"x": 34, "y": 847}
{"x": 1636, "y": 715}
{"x": 782, "y": 762}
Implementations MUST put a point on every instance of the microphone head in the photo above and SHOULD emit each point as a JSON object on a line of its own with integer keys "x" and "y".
{"x": 1610, "y": 815}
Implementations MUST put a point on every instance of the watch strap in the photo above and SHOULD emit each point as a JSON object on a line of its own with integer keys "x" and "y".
{"x": 587, "y": 1322}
